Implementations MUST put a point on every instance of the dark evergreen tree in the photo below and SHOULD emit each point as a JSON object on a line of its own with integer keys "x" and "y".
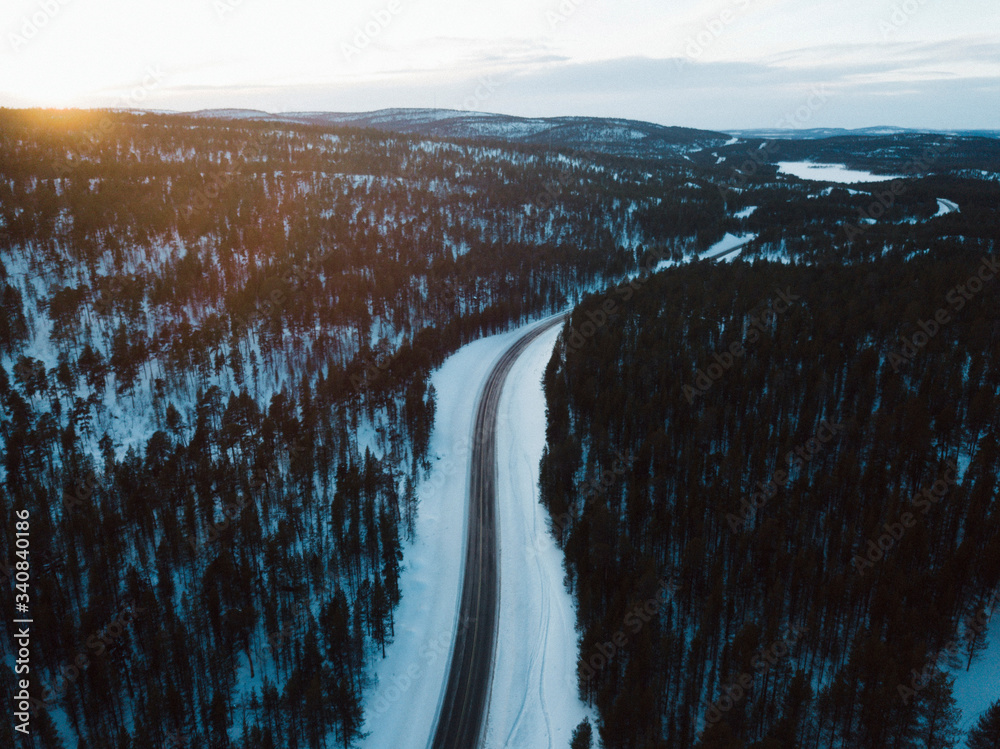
{"x": 986, "y": 733}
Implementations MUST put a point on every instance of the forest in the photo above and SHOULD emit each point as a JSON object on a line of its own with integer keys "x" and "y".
{"x": 215, "y": 342}
{"x": 813, "y": 461}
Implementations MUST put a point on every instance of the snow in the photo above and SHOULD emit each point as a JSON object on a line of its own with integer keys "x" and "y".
{"x": 727, "y": 244}
{"x": 663, "y": 265}
{"x": 746, "y": 212}
{"x": 233, "y": 114}
{"x": 533, "y": 701}
{"x": 826, "y": 192}
{"x": 830, "y": 173}
{"x": 401, "y": 709}
{"x": 979, "y": 687}
{"x": 945, "y": 207}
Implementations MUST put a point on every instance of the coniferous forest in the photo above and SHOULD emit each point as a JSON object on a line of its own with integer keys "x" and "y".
{"x": 215, "y": 343}
{"x": 812, "y": 459}
{"x": 216, "y": 339}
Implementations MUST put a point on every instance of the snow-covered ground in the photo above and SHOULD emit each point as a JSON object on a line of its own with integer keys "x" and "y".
{"x": 826, "y": 192}
{"x": 401, "y": 708}
{"x": 727, "y": 244}
{"x": 533, "y": 702}
{"x": 830, "y": 173}
{"x": 945, "y": 207}
{"x": 979, "y": 687}
{"x": 746, "y": 212}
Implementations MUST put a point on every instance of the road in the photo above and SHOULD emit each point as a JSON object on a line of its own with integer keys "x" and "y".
{"x": 462, "y": 716}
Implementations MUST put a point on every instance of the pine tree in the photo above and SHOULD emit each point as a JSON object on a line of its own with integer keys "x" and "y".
{"x": 986, "y": 733}
{"x": 941, "y": 716}
{"x": 409, "y": 507}
{"x": 582, "y": 736}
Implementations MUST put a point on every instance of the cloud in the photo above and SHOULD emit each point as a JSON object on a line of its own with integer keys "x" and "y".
{"x": 717, "y": 95}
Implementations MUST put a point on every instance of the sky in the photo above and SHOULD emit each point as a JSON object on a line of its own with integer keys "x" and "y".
{"x": 732, "y": 64}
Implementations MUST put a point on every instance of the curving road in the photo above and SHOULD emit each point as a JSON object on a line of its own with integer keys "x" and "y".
{"x": 462, "y": 716}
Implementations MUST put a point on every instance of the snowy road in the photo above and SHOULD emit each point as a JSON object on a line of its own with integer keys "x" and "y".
{"x": 463, "y": 710}
{"x": 533, "y": 702}
{"x": 945, "y": 207}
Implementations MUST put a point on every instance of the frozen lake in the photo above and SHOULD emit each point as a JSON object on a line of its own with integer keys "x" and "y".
{"x": 830, "y": 173}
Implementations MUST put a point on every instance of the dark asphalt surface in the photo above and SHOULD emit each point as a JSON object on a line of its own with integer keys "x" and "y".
{"x": 463, "y": 710}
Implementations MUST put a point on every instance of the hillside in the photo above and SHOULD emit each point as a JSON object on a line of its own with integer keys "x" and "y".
{"x": 217, "y": 340}
{"x": 602, "y": 135}
{"x": 809, "y": 454}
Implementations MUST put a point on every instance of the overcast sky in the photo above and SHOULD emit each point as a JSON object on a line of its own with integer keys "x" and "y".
{"x": 698, "y": 63}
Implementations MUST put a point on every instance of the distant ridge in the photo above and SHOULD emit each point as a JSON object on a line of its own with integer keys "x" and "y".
{"x": 877, "y": 149}
{"x": 838, "y": 132}
{"x": 607, "y": 135}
